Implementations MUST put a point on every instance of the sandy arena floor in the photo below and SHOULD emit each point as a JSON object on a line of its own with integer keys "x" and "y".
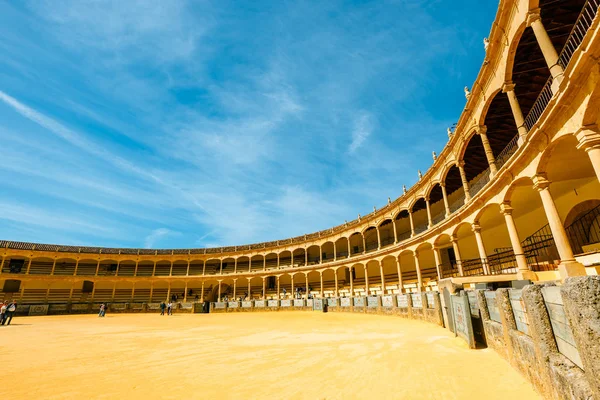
{"x": 286, "y": 355}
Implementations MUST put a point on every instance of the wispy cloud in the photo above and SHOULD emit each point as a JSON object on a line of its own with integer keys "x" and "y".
{"x": 156, "y": 235}
{"x": 363, "y": 127}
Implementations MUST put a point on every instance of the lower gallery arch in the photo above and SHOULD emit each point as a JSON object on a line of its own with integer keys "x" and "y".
{"x": 314, "y": 283}
{"x": 390, "y": 274}
{"x": 447, "y": 259}
{"x": 329, "y": 288}
{"x": 466, "y": 250}
{"x": 256, "y": 288}
{"x": 358, "y": 280}
{"x": 408, "y": 271}
{"x": 373, "y": 277}
{"x": 499, "y": 253}
{"x": 427, "y": 266}
{"x": 285, "y": 286}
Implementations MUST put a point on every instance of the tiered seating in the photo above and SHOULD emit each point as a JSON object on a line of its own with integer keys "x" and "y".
{"x": 64, "y": 269}
{"x": 122, "y": 295}
{"x": 159, "y": 294}
{"x": 126, "y": 269}
{"x": 141, "y": 295}
{"x": 87, "y": 269}
{"x": 162, "y": 269}
{"x": 196, "y": 269}
{"x": 40, "y": 268}
{"x": 59, "y": 295}
{"x": 34, "y": 296}
{"x": 102, "y": 295}
{"x": 145, "y": 269}
{"x": 179, "y": 269}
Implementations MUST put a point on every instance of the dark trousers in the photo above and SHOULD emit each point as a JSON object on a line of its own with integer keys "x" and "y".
{"x": 8, "y": 316}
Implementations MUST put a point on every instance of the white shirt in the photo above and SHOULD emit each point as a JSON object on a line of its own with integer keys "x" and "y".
{"x": 3, "y": 309}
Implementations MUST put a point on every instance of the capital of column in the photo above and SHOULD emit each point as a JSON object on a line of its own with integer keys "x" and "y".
{"x": 508, "y": 87}
{"x": 481, "y": 130}
{"x": 442, "y": 184}
{"x": 505, "y": 208}
{"x": 540, "y": 182}
{"x": 476, "y": 227}
{"x": 454, "y": 238}
{"x": 588, "y": 137}
{"x": 460, "y": 164}
{"x": 533, "y": 16}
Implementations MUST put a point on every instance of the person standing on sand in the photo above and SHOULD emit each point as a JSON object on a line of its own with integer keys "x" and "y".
{"x": 162, "y": 308}
{"x": 10, "y": 310}
{"x": 170, "y": 308}
{"x": 102, "y": 312}
{"x": 3, "y": 312}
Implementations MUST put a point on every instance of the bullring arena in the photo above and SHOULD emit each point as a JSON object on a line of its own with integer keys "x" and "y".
{"x": 481, "y": 280}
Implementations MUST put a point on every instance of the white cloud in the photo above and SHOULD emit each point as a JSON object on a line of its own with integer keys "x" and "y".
{"x": 363, "y": 127}
{"x": 156, "y": 235}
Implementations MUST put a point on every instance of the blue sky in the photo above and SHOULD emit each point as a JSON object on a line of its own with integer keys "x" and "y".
{"x": 212, "y": 123}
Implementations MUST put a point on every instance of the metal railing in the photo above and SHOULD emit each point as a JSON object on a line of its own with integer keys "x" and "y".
{"x": 584, "y": 231}
{"x": 539, "y": 105}
{"x": 458, "y": 203}
{"x": 580, "y": 28}
{"x": 449, "y": 270}
{"x": 473, "y": 266}
{"x": 502, "y": 262}
{"x": 507, "y": 152}
{"x": 479, "y": 182}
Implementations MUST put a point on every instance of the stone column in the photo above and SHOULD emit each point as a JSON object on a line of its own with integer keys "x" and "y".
{"x": 351, "y": 282}
{"x": 185, "y": 292}
{"x": 264, "y": 292}
{"x": 366, "y": 280}
{"x": 320, "y": 254}
{"x": 219, "y": 294}
{"x": 321, "y": 278}
{"x": 278, "y": 261}
{"x": 378, "y": 238}
{"x": 463, "y": 178}
{"x": 2, "y": 265}
{"x": 234, "y": 288}
{"x": 428, "y": 207}
{"x": 235, "y": 266}
{"x": 568, "y": 266}
{"x": 523, "y": 271}
{"x": 292, "y": 292}
{"x": 53, "y": 266}
{"x": 97, "y": 268}
{"x": 306, "y": 282}
{"x": 349, "y": 251}
{"x": 278, "y": 294}
{"x": 418, "y": 267}
{"x": 437, "y": 258}
{"x": 264, "y": 263}
{"x": 249, "y": 288}
{"x": 203, "y": 267}
{"x": 76, "y": 267}
{"x": 170, "y": 270}
{"x": 400, "y": 285}
{"x": 445, "y": 196}
{"x": 364, "y": 243}
{"x": 489, "y": 154}
{"x": 382, "y": 277}
{"x": 112, "y": 298}
{"x": 509, "y": 89}
{"x": 168, "y": 292}
{"x": 476, "y": 228}
{"x": 202, "y": 292}
{"x": 454, "y": 241}
{"x": 292, "y": 259}
{"x": 29, "y": 266}
{"x": 334, "y": 252}
{"x": 412, "y": 224}
{"x": 305, "y": 256}
{"x": 221, "y": 267}
{"x": 187, "y": 271}
{"x": 395, "y": 233}
{"x": 548, "y": 50}
{"x": 589, "y": 140}
{"x": 154, "y": 269}
{"x": 336, "y": 282}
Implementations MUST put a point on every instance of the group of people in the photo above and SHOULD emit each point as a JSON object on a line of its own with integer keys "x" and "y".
{"x": 168, "y": 307}
{"x": 7, "y": 310}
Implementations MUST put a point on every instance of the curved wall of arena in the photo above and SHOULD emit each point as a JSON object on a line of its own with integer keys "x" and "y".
{"x": 504, "y": 200}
